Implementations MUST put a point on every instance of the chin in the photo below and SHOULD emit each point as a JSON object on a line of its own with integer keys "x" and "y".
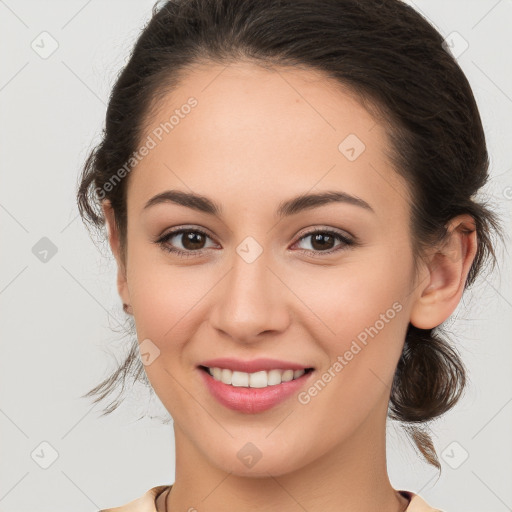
{"x": 252, "y": 462}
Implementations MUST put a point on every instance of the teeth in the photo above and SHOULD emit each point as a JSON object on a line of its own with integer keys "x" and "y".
{"x": 260, "y": 379}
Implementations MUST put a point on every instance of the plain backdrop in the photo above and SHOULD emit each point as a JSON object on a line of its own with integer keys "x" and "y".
{"x": 61, "y": 316}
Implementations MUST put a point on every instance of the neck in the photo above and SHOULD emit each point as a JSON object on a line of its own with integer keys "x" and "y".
{"x": 350, "y": 476}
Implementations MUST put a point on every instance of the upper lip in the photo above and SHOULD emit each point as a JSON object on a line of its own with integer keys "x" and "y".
{"x": 255, "y": 365}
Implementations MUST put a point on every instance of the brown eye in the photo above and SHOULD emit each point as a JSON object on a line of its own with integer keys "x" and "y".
{"x": 192, "y": 241}
{"x": 323, "y": 242}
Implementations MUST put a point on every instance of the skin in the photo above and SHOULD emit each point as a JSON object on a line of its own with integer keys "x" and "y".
{"x": 256, "y": 138}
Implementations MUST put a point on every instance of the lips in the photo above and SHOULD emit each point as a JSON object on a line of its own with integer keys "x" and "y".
{"x": 252, "y": 400}
{"x": 254, "y": 365}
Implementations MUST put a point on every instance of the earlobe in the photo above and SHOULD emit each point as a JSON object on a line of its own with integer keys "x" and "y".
{"x": 440, "y": 292}
{"x": 114, "y": 242}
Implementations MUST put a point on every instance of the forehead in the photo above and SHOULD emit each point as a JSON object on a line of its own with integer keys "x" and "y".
{"x": 264, "y": 135}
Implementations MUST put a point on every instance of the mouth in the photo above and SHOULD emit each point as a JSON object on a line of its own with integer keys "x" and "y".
{"x": 259, "y": 379}
{"x": 257, "y": 392}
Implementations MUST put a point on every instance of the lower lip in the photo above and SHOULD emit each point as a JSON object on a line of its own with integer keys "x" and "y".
{"x": 252, "y": 400}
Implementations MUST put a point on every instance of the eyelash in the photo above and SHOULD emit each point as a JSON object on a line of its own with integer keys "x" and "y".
{"x": 162, "y": 241}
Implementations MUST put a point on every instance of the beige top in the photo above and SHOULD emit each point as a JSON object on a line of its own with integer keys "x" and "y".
{"x": 146, "y": 503}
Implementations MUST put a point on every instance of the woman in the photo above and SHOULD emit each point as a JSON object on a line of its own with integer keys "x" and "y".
{"x": 288, "y": 188}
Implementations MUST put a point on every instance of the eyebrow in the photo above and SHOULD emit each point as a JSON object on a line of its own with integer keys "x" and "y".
{"x": 286, "y": 208}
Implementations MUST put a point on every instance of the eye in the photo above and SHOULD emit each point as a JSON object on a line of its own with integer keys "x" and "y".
{"x": 192, "y": 240}
{"x": 322, "y": 241}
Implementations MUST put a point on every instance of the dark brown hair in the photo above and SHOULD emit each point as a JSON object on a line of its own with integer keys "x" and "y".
{"x": 395, "y": 63}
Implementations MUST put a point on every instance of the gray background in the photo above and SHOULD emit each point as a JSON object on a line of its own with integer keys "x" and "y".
{"x": 57, "y": 315}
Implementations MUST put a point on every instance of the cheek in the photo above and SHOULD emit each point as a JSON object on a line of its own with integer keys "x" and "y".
{"x": 163, "y": 298}
{"x": 365, "y": 290}
{"x": 361, "y": 323}
{"x": 169, "y": 304}
{"x": 363, "y": 320}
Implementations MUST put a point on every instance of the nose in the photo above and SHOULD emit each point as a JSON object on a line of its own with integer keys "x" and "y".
{"x": 250, "y": 301}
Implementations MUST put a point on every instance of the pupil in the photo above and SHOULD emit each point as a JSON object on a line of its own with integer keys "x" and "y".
{"x": 318, "y": 237}
{"x": 192, "y": 237}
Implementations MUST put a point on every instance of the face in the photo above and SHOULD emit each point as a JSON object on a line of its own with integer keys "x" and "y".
{"x": 326, "y": 285}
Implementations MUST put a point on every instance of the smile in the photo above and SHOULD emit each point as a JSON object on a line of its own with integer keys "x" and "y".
{"x": 253, "y": 393}
{"x": 261, "y": 379}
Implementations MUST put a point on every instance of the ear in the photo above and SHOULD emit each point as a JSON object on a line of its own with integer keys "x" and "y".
{"x": 114, "y": 242}
{"x": 440, "y": 292}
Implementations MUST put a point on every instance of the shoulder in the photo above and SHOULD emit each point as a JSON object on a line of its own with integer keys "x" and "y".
{"x": 417, "y": 503}
{"x": 145, "y": 503}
